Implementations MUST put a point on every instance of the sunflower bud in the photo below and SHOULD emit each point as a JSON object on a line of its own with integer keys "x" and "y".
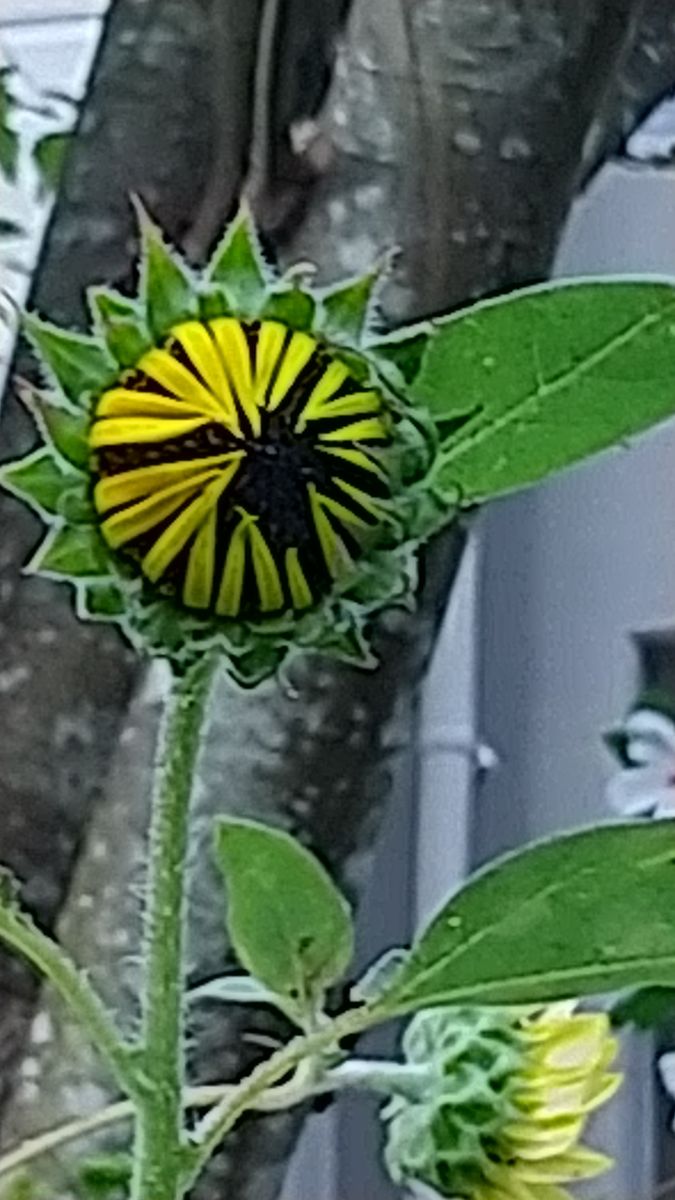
{"x": 511, "y": 1097}
{"x": 225, "y": 464}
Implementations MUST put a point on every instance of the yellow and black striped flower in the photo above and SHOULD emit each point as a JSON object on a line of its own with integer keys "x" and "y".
{"x": 242, "y": 466}
{"x": 224, "y": 462}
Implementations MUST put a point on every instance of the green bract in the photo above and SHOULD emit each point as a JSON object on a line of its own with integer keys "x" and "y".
{"x": 223, "y": 464}
{"x": 507, "y": 1105}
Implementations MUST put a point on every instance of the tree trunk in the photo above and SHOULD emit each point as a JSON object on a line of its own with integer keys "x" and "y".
{"x": 457, "y": 130}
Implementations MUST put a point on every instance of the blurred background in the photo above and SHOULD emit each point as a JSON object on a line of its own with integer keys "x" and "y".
{"x": 346, "y": 112}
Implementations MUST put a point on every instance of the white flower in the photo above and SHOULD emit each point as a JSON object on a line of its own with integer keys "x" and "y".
{"x": 645, "y": 786}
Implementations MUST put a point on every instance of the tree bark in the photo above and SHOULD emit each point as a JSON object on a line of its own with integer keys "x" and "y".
{"x": 457, "y": 130}
{"x": 65, "y": 686}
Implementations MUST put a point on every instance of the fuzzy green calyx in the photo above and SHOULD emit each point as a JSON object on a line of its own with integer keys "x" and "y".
{"x": 442, "y": 1139}
{"x": 512, "y": 1095}
{"x": 225, "y": 464}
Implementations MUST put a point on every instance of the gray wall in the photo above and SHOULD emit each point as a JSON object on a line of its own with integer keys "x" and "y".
{"x": 570, "y": 570}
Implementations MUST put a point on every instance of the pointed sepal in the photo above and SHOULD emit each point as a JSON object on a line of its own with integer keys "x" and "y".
{"x": 102, "y": 600}
{"x": 71, "y": 552}
{"x": 292, "y": 306}
{"x": 39, "y": 479}
{"x": 121, "y": 324}
{"x": 62, "y": 427}
{"x": 346, "y": 312}
{"x": 78, "y": 365}
{"x": 168, "y": 290}
{"x": 238, "y": 265}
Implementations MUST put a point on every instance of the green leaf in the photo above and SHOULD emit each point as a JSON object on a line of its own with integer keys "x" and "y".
{"x": 289, "y": 925}
{"x": 9, "y": 141}
{"x": 76, "y": 505}
{"x": 121, "y": 323}
{"x": 345, "y": 310}
{"x": 293, "y": 307}
{"x": 405, "y": 351}
{"x": 581, "y": 914}
{"x": 72, "y": 552}
{"x": 39, "y": 479}
{"x": 542, "y": 379}
{"x": 104, "y": 1175}
{"x": 9, "y": 152}
{"x": 213, "y": 302}
{"x": 239, "y": 265}
{"x": 65, "y": 429}
{"x": 167, "y": 288}
{"x": 646, "y": 1008}
{"x": 101, "y": 600}
{"x": 79, "y": 364}
{"x": 48, "y": 155}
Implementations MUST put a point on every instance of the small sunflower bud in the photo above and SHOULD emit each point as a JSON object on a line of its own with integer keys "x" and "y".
{"x": 510, "y": 1101}
{"x": 225, "y": 465}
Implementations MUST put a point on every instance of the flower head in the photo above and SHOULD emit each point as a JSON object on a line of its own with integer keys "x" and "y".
{"x": 512, "y": 1096}
{"x": 225, "y": 463}
{"x": 644, "y": 785}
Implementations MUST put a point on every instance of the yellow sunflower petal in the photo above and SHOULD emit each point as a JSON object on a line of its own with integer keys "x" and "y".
{"x": 201, "y": 349}
{"x": 301, "y": 594}
{"x": 235, "y": 353}
{"x": 298, "y": 353}
{"x": 358, "y": 458}
{"x": 581, "y": 1163}
{"x": 201, "y": 562}
{"x": 334, "y": 550}
{"x": 125, "y": 402}
{"x": 142, "y": 481}
{"x": 271, "y": 339}
{"x": 160, "y": 366}
{"x": 266, "y": 573}
{"x": 333, "y": 377}
{"x": 172, "y": 540}
{"x": 371, "y": 428}
{"x": 131, "y": 522}
{"x": 123, "y": 431}
{"x": 534, "y": 1141}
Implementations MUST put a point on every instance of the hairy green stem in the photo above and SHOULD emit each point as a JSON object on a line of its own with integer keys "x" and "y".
{"x": 159, "y": 1140}
{"x": 375, "y": 1075}
{"x": 223, "y": 1116}
{"x": 18, "y": 931}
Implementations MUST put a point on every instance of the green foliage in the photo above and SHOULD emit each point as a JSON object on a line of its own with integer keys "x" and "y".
{"x": 76, "y": 552}
{"x": 238, "y": 265}
{"x": 404, "y": 350}
{"x": 445, "y": 1136}
{"x": 9, "y": 141}
{"x": 645, "y": 1008}
{"x": 121, "y": 323}
{"x": 292, "y": 306}
{"x": 167, "y": 288}
{"x": 289, "y": 925}
{"x": 37, "y": 479}
{"x": 100, "y": 600}
{"x": 346, "y": 309}
{"x": 104, "y": 1177}
{"x": 78, "y": 365}
{"x": 64, "y": 428}
{"x": 49, "y": 154}
{"x": 577, "y": 915}
{"x": 537, "y": 381}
